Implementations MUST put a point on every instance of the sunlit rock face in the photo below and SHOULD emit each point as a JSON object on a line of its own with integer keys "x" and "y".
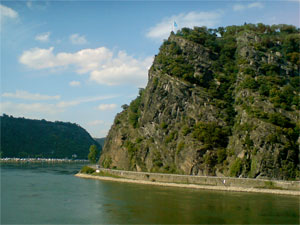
{"x": 219, "y": 102}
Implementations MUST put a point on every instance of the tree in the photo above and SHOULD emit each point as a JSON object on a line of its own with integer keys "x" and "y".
{"x": 92, "y": 156}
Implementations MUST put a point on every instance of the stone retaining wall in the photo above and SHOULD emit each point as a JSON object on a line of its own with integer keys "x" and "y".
{"x": 206, "y": 180}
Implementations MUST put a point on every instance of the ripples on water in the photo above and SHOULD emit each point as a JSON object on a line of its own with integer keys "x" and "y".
{"x": 49, "y": 193}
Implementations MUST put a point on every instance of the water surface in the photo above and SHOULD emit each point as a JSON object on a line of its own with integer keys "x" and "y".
{"x": 50, "y": 194}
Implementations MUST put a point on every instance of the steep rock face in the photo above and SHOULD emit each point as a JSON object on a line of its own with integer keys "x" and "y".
{"x": 215, "y": 106}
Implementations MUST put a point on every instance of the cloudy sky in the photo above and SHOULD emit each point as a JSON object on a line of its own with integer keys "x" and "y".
{"x": 80, "y": 61}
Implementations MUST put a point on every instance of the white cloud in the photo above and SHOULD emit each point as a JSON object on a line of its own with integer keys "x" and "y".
{"x": 44, "y": 37}
{"x": 29, "y": 4}
{"x": 103, "y": 133}
{"x": 40, "y": 110}
{"x": 105, "y": 107}
{"x": 6, "y": 12}
{"x": 191, "y": 19}
{"x": 74, "y": 83}
{"x": 123, "y": 69}
{"x": 29, "y": 109}
{"x": 77, "y": 39}
{"x": 241, "y": 7}
{"x": 238, "y": 7}
{"x": 96, "y": 123}
{"x": 104, "y": 67}
{"x": 258, "y": 5}
{"x": 63, "y": 104}
{"x": 85, "y": 60}
{"x": 37, "y": 5}
{"x": 19, "y": 94}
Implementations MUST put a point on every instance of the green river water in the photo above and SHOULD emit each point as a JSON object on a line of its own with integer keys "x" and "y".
{"x": 51, "y": 194}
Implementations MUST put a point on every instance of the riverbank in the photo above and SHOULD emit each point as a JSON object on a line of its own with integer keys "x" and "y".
{"x": 188, "y": 185}
{"x": 39, "y": 160}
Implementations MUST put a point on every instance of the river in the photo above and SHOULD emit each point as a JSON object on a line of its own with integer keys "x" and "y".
{"x": 42, "y": 193}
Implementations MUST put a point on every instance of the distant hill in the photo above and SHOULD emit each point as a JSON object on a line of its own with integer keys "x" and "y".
{"x": 100, "y": 141}
{"x": 22, "y": 137}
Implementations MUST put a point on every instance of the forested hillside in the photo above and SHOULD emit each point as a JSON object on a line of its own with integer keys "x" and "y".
{"x": 22, "y": 137}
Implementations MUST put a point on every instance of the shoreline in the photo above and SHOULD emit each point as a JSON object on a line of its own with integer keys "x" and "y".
{"x": 39, "y": 160}
{"x": 194, "y": 186}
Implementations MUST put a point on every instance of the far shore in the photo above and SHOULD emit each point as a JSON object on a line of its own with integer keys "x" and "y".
{"x": 195, "y": 186}
{"x": 37, "y": 160}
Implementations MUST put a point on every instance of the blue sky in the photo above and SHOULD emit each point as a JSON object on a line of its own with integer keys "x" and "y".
{"x": 80, "y": 61}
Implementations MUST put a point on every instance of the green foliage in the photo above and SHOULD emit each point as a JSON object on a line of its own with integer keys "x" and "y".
{"x": 157, "y": 161}
{"x": 289, "y": 170}
{"x": 275, "y": 118}
{"x": 106, "y": 174}
{"x": 163, "y": 125}
{"x": 221, "y": 63}
{"x": 173, "y": 62}
{"x": 106, "y": 163}
{"x": 236, "y": 168}
{"x": 180, "y": 146}
{"x": 253, "y": 168}
{"x": 186, "y": 130}
{"x": 211, "y": 134}
{"x": 87, "y": 170}
{"x": 138, "y": 140}
{"x": 269, "y": 69}
{"x": 269, "y": 78}
{"x": 41, "y": 138}
{"x": 131, "y": 148}
{"x": 155, "y": 82}
{"x": 210, "y": 159}
{"x": 222, "y": 155}
{"x": 93, "y": 154}
{"x": 248, "y": 142}
{"x": 134, "y": 111}
{"x": 249, "y": 82}
{"x": 279, "y": 120}
{"x": 172, "y": 136}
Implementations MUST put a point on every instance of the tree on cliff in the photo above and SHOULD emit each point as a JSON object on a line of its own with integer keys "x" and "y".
{"x": 92, "y": 156}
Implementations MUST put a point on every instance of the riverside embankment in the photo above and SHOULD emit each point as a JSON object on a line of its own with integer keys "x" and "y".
{"x": 198, "y": 182}
{"x": 41, "y": 160}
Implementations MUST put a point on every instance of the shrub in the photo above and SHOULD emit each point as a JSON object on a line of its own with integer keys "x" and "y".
{"x": 87, "y": 170}
{"x": 138, "y": 140}
{"x": 211, "y": 134}
{"x": 279, "y": 120}
{"x": 186, "y": 130}
{"x": 236, "y": 168}
{"x": 171, "y": 136}
{"x": 180, "y": 146}
{"x": 107, "y": 162}
{"x": 221, "y": 153}
{"x": 131, "y": 148}
{"x": 134, "y": 112}
{"x": 163, "y": 125}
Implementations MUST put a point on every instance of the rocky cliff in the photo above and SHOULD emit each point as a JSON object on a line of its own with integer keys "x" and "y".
{"x": 218, "y": 102}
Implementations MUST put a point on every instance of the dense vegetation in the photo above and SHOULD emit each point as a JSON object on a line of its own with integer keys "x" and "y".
{"x": 228, "y": 98}
{"x": 93, "y": 154}
{"x": 272, "y": 77}
{"x": 22, "y": 137}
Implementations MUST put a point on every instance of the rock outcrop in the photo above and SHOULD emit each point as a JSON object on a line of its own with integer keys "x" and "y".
{"x": 221, "y": 102}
